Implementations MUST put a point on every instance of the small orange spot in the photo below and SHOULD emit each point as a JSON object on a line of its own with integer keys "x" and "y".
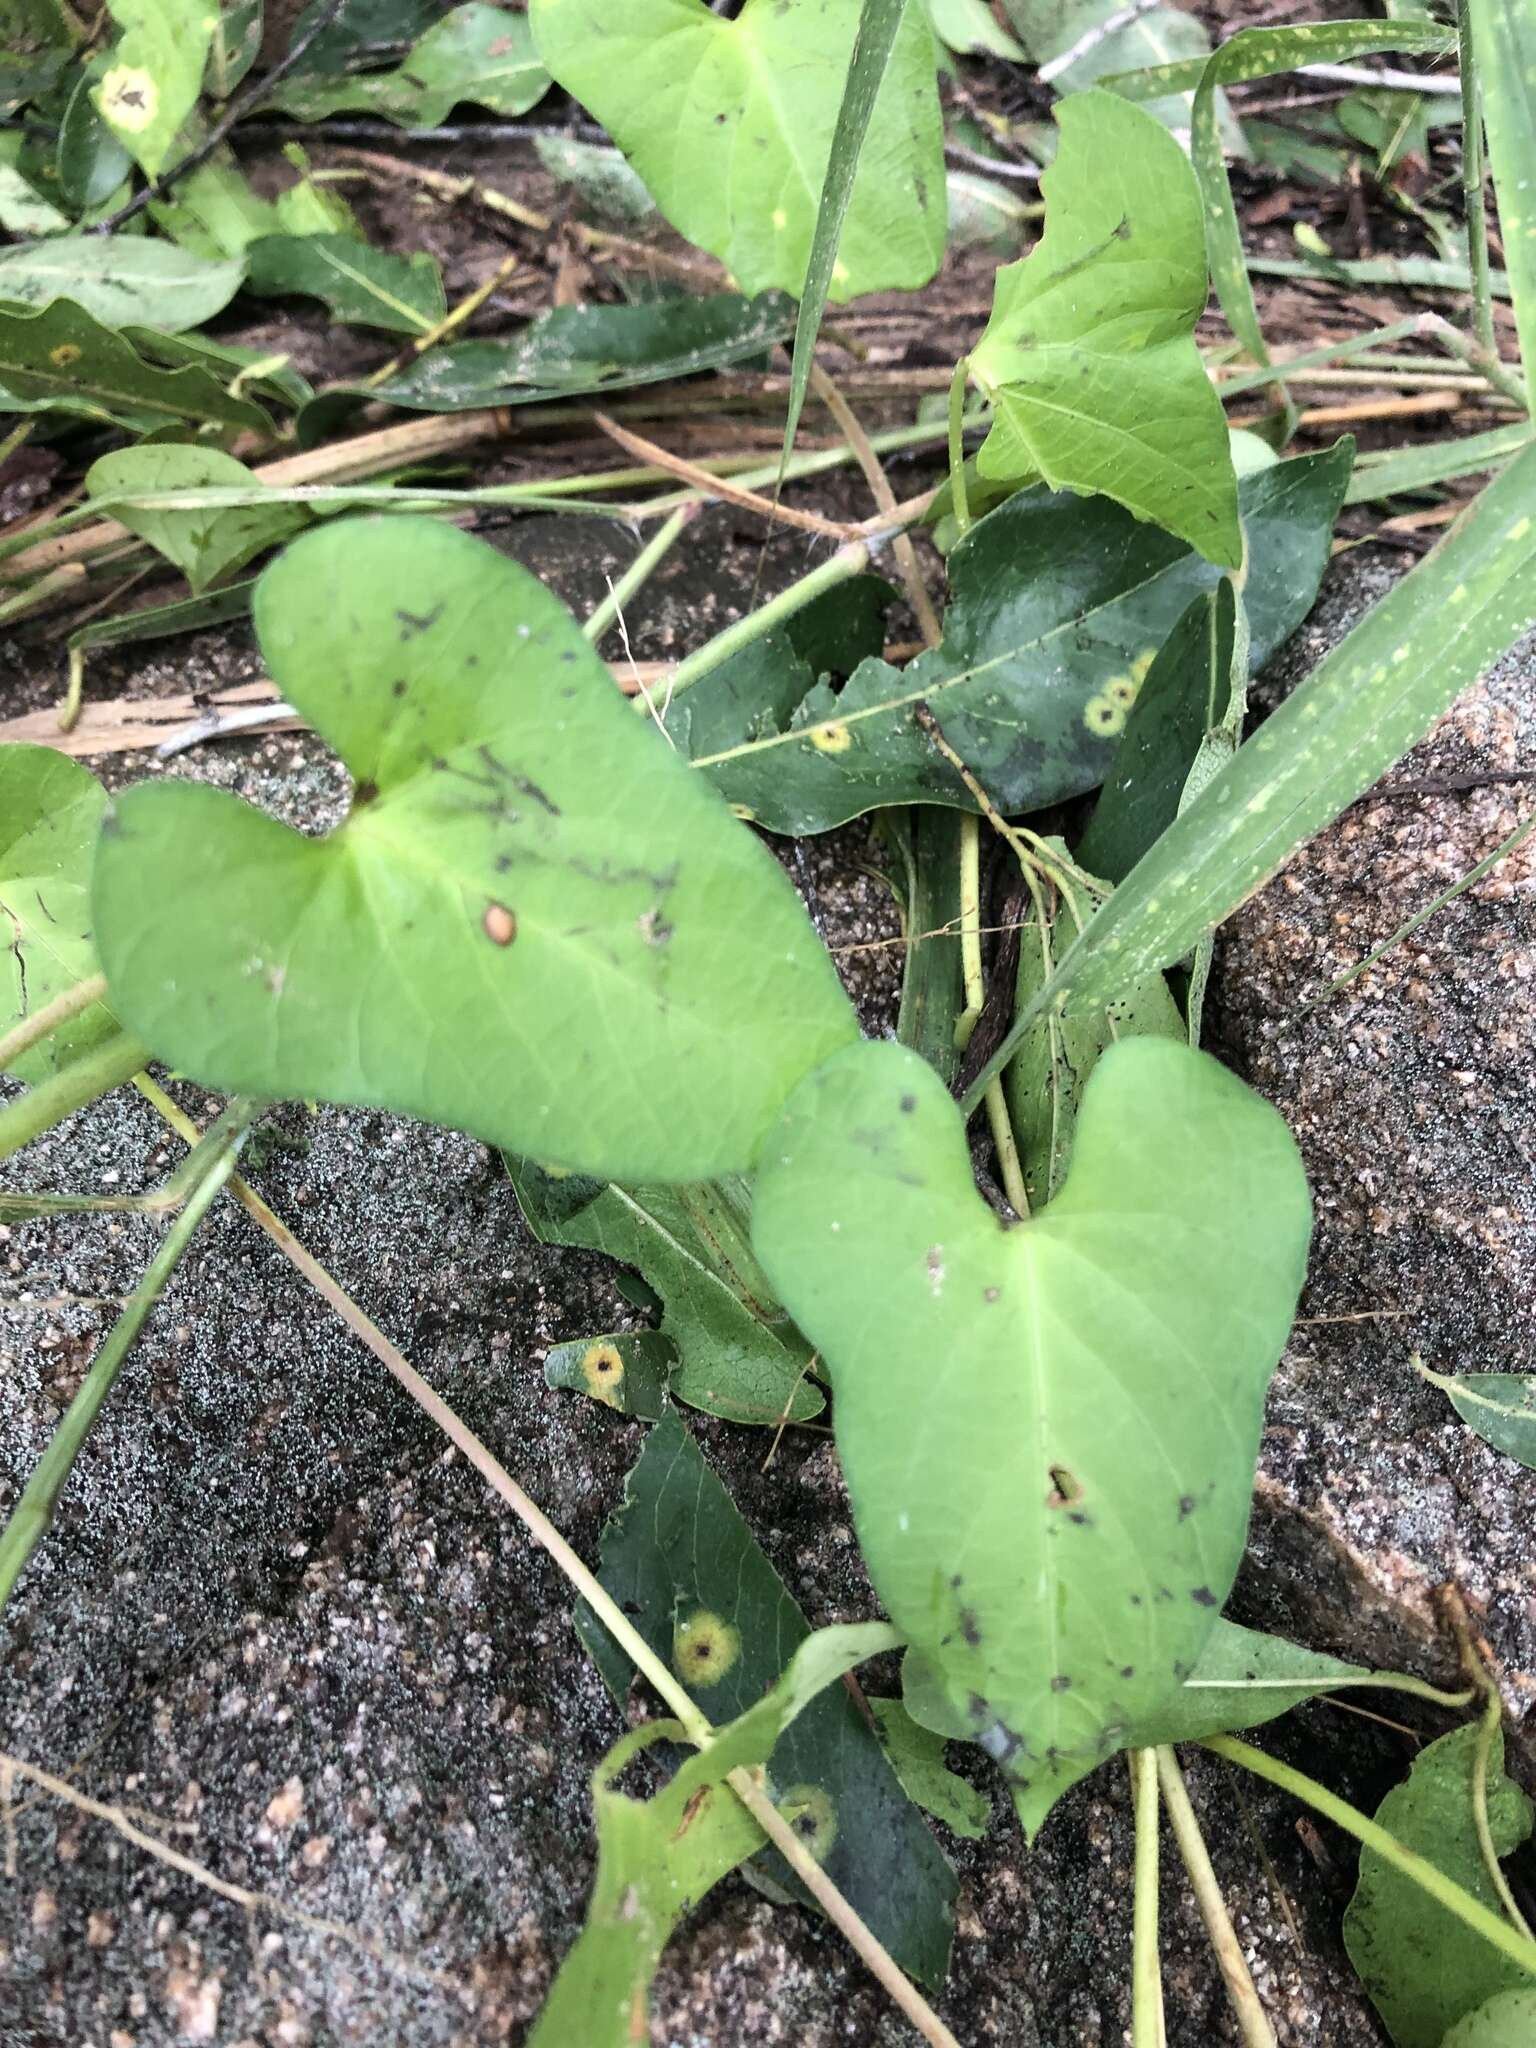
{"x": 500, "y": 924}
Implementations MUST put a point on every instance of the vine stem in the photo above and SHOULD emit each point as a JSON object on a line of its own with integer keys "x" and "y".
{"x": 29, "y": 1519}
{"x": 699, "y": 1729}
{"x": 1147, "y": 2025}
{"x": 957, "y": 490}
{"x": 23, "y": 1036}
{"x": 1520, "y": 1948}
{"x": 639, "y": 572}
{"x": 116, "y": 1060}
{"x": 1252, "y": 2021}
{"x": 849, "y": 561}
{"x": 1487, "y": 1728}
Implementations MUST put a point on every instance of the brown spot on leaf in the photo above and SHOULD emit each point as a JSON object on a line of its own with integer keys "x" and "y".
{"x": 500, "y": 924}
{"x": 1066, "y": 1491}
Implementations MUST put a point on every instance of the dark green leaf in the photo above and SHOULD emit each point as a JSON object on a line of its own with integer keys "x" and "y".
{"x": 1423, "y": 1968}
{"x": 1361, "y": 709}
{"x": 629, "y": 1372}
{"x": 1089, "y": 357}
{"x": 1036, "y": 672}
{"x": 1048, "y": 1431}
{"x": 119, "y": 279}
{"x": 730, "y": 123}
{"x": 738, "y": 1353}
{"x": 691, "y": 1576}
{"x": 234, "y": 46}
{"x": 62, "y": 359}
{"x": 478, "y": 52}
{"x": 569, "y": 352}
{"x": 369, "y": 287}
{"x": 1183, "y": 697}
{"x": 656, "y": 1858}
{"x": 92, "y": 162}
{"x": 275, "y": 382}
{"x": 528, "y": 878}
{"x": 50, "y": 811}
{"x": 1500, "y": 1406}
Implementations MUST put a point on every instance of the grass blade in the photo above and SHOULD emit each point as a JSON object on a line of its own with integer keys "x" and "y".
{"x": 879, "y": 21}
{"x": 1258, "y": 53}
{"x": 1360, "y": 710}
{"x": 1504, "y": 44}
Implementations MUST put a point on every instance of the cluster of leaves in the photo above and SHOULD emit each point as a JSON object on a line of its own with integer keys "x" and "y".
{"x": 540, "y": 922}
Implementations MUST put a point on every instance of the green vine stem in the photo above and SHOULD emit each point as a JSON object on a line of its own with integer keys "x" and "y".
{"x": 639, "y": 572}
{"x": 1520, "y": 1948}
{"x": 33, "y": 1028}
{"x": 1487, "y": 1728}
{"x": 959, "y": 502}
{"x": 71, "y": 1088}
{"x": 1146, "y": 1975}
{"x": 32, "y": 1514}
{"x": 1252, "y": 2021}
{"x": 850, "y": 560}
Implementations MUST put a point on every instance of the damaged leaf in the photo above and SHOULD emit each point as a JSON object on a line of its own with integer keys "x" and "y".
{"x": 737, "y": 1353}
{"x": 534, "y": 925}
{"x": 1048, "y": 1431}
{"x": 689, "y": 1573}
{"x": 1036, "y": 675}
{"x": 657, "y": 1857}
{"x": 629, "y": 1372}
{"x": 61, "y": 359}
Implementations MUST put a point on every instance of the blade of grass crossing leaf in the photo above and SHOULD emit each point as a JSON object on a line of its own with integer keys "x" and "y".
{"x": 1360, "y": 710}
{"x": 872, "y": 45}
{"x": 1504, "y": 44}
{"x": 1257, "y": 53}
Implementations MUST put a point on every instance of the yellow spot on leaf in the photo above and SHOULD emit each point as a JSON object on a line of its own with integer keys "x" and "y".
{"x": 64, "y": 354}
{"x": 812, "y": 1814}
{"x": 602, "y": 1370}
{"x": 704, "y": 1648}
{"x": 1103, "y": 716}
{"x": 129, "y": 98}
{"x": 832, "y": 738}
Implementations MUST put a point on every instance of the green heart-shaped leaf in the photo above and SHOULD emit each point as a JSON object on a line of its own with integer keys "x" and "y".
{"x": 1090, "y": 358}
{"x": 535, "y": 924}
{"x": 1049, "y": 1431}
{"x": 50, "y": 811}
{"x": 730, "y": 124}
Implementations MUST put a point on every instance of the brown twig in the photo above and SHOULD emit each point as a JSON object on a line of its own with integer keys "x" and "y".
{"x": 717, "y": 487}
